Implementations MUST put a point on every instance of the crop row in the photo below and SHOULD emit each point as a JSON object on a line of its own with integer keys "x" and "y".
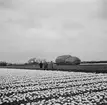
{"x": 53, "y": 88}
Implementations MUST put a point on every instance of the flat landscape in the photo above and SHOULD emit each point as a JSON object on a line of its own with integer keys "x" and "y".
{"x": 39, "y": 87}
{"x": 97, "y": 68}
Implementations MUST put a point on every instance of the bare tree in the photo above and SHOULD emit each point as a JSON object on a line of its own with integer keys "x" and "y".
{"x": 35, "y": 60}
{"x": 32, "y": 60}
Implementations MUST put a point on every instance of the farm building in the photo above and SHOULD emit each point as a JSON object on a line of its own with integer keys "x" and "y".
{"x": 67, "y": 59}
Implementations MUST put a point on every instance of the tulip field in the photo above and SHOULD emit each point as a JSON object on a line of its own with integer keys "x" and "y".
{"x": 39, "y": 87}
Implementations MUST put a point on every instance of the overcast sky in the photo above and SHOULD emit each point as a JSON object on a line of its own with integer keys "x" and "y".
{"x": 48, "y": 28}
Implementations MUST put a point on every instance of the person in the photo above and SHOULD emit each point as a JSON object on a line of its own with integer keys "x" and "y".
{"x": 45, "y": 65}
{"x": 51, "y": 65}
{"x": 41, "y": 64}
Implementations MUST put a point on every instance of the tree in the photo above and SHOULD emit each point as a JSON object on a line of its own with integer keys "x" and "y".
{"x": 35, "y": 61}
{"x": 2, "y": 63}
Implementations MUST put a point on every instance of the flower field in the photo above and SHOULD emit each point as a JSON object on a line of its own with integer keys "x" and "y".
{"x": 37, "y": 87}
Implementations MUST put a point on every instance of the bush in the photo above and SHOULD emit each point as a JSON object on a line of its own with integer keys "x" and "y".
{"x": 3, "y": 64}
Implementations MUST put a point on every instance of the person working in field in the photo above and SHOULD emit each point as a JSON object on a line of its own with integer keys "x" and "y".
{"x": 45, "y": 65}
{"x": 40, "y": 64}
{"x": 51, "y": 65}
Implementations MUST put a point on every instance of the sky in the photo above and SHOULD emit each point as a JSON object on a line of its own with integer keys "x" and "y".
{"x": 46, "y": 29}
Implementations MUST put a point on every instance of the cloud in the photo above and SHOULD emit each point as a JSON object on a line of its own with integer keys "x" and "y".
{"x": 103, "y": 9}
{"x": 51, "y": 28}
{"x": 5, "y": 3}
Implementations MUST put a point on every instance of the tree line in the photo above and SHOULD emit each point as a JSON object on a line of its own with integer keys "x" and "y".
{"x": 94, "y": 62}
